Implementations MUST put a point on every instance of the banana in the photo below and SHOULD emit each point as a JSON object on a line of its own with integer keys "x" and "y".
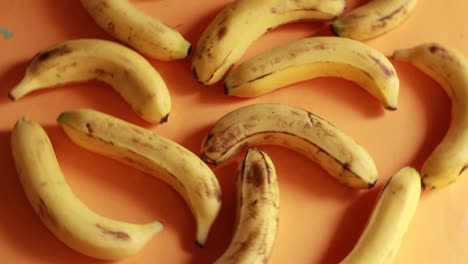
{"x": 449, "y": 68}
{"x": 139, "y": 30}
{"x": 131, "y": 75}
{"x": 316, "y": 57}
{"x": 373, "y": 19}
{"x": 233, "y": 30}
{"x": 257, "y": 211}
{"x": 296, "y": 129}
{"x": 153, "y": 154}
{"x": 60, "y": 210}
{"x": 389, "y": 221}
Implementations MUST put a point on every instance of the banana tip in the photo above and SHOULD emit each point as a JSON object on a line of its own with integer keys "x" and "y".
{"x": 12, "y": 97}
{"x": 200, "y": 244}
{"x": 372, "y": 184}
{"x": 391, "y": 108}
{"x": 189, "y": 49}
{"x": 334, "y": 30}
{"x": 62, "y": 117}
{"x": 164, "y": 119}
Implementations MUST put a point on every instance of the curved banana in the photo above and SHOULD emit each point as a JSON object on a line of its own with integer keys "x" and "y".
{"x": 373, "y": 19}
{"x": 60, "y": 210}
{"x": 296, "y": 129}
{"x": 450, "y": 68}
{"x": 316, "y": 57}
{"x": 131, "y": 75}
{"x": 230, "y": 34}
{"x": 146, "y": 34}
{"x": 257, "y": 211}
{"x": 153, "y": 154}
{"x": 389, "y": 221}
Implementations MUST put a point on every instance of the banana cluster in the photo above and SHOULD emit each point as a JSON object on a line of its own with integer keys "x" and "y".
{"x": 245, "y": 129}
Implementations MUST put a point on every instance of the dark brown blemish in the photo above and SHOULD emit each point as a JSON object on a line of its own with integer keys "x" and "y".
{"x": 111, "y": 28}
{"x": 116, "y": 234}
{"x": 101, "y": 72}
{"x": 388, "y": 72}
{"x": 438, "y": 50}
{"x": 259, "y": 77}
{"x": 45, "y": 213}
{"x": 88, "y": 127}
{"x": 463, "y": 169}
{"x": 255, "y": 175}
{"x": 53, "y": 53}
{"x": 221, "y": 32}
{"x": 273, "y": 10}
{"x": 389, "y": 16}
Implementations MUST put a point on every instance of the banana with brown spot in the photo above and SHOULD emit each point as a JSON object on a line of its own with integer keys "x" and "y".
{"x": 449, "y": 68}
{"x": 156, "y": 155}
{"x": 147, "y": 34}
{"x": 389, "y": 221}
{"x": 296, "y": 129}
{"x": 373, "y": 19}
{"x": 60, "y": 210}
{"x": 80, "y": 60}
{"x": 257, "y": 211}
{"x": 316, "y": 57}
{"x": 239, "y": 24}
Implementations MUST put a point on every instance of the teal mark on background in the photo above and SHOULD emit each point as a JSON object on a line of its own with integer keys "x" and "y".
{"x": 6, "y": 33}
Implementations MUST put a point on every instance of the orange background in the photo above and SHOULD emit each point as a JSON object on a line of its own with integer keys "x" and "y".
{"x": 320, "y": 220}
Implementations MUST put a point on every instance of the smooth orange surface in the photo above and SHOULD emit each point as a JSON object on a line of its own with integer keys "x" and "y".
{"x": 320, "y": 219}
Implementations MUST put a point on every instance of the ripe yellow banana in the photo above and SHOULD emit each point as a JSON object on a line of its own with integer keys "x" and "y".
{"x": 60, "y": 210}
{"x": 257, "y": 211}
{"x": 131, "y": 75}
{"x": 153, "y": 154}
{"x": 296, "y": 129}
{"x": 373, "y": 19}
{"x": 146, "y": 34}
{"x": 316, "y": 57}
{"x": 449, "y": 67}
{"x": 389, "y": 221}
{"x": 229, "y": 35}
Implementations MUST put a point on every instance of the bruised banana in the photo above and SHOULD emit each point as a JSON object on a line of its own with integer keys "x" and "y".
{"x": 449, "y": 68}
{"x": 146, "y": 34}
{"x": 316, "y": 57}
{"x": 257, "y": 211}
{"x": 389, "y": 221}
{"x": 373, "y": 19}
{"x": 233, "y": 30}
{"x": 60, "y": 210}
{"x": 296, "y": 129}
{"x": 153, "y": 154}
{"x": 131, "y": 75}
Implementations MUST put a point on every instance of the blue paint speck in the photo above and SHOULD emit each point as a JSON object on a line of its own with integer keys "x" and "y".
{"x": 6, "y": 33}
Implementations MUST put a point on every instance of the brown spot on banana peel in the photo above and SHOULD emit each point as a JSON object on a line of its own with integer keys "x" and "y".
{"x": 393, "y": 13}
{"x": 52, "y": 53}
{"x": 221, "y": 32}
{"x": 111, "y": 28}
{"x": 89, "y": 129}
{"x": 115, "y": 234}
{"x": 255, "y": 176}
{"x": 388, "y": 72}
{"x": 45, "y": 213}
{"x": 101, "y": 73}
{"x": 441, "y": 51}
